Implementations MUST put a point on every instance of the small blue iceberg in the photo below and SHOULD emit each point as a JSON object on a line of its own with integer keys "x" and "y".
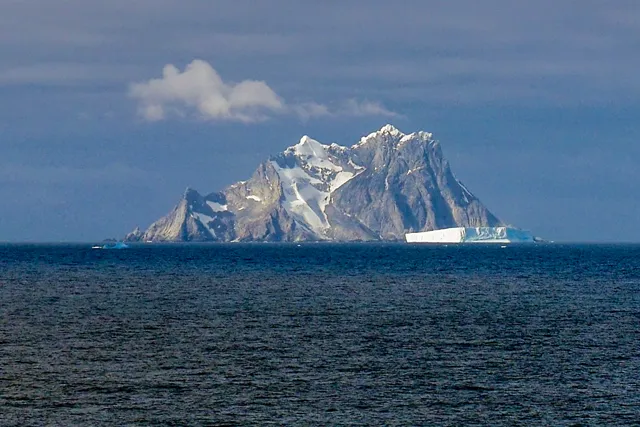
{"x": 117, "y": 245}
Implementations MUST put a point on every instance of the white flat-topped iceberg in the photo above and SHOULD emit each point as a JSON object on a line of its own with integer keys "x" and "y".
{"x": 472, "y": 235}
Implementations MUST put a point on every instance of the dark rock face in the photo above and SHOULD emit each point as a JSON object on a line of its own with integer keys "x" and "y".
{"x": 384, "y": 186}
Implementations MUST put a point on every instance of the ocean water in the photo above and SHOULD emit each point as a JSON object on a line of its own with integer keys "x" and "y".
{"x": 320, "y": 334}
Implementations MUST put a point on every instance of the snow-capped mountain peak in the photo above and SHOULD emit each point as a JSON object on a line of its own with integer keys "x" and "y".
{"x": 387, "y": 133}
{"x": 391, "y": 130}
{"x": 419, "y": 137}
{"x": 309, "y": 173}
{"x": 308, "y": 146}
{"x": 312, "y": 153}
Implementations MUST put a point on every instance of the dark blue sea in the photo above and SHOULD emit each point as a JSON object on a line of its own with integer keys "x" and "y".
{"x": 320, "y": 334}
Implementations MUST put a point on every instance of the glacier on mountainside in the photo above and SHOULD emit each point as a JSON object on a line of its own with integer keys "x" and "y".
{"x": 309, "y": 173}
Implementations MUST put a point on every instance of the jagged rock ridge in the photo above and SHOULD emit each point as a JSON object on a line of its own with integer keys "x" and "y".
{"x": 386, "y": 185}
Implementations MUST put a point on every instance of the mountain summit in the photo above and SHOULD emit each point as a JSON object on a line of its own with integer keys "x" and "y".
{"x": 387, "y": 184}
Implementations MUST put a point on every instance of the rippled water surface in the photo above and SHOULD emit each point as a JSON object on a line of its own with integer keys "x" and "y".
{"x": 320, "y": 334}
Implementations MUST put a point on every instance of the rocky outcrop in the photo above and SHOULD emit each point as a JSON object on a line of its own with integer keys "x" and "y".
{"x": 135, "y": 236}
{"x": 387, "y": 184}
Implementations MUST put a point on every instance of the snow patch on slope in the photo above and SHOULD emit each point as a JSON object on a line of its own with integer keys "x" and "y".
{"x": 302, "y": 198}
{"x": 340, "y": 179}
{"x": 466, "y": 194}
{"x": 217, "y": 207}
{"x": 204, "y": 220}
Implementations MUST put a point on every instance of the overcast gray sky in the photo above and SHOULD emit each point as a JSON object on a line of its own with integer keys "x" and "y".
{"x": 110, "y": 109}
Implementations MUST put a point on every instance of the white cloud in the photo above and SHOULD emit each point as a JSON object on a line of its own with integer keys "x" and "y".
{"x": 308, "y": 110}
{"x": 199, "y": 89}
{"x": 348, "y": 108}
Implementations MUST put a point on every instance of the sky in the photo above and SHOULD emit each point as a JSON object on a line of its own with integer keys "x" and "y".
{"x": 109, "y": 110}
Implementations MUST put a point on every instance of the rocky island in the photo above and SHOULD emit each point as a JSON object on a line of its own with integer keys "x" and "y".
{"x": 382, "y": 187}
